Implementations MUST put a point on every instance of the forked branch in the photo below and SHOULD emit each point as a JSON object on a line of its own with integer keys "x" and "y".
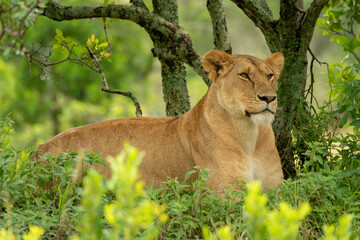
{"x": 105, "y": 88}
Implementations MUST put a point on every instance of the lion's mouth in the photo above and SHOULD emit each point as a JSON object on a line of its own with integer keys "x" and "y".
{"x": 248, "y": 114}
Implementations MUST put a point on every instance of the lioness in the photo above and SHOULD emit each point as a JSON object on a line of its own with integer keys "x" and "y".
{"x": 229, "y": 130}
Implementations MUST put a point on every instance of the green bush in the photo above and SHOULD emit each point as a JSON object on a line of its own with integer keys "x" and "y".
{"x": 129, "y": 214}
{"x": 342, "y": 22}
{"x": 191, "y": 206}
{"x": 35, "y": 194}
{"x": 282, "y": 223}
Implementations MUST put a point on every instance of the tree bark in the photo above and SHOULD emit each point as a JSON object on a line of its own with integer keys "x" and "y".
{"x": 173, "y": 70}
{"x": 218, "y": 22}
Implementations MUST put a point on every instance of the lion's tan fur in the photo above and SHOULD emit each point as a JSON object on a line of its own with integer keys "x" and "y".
{"x": 226, "y": 131}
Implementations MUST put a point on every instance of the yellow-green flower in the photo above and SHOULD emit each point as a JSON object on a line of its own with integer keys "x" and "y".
{"x": 6, "y": 235}
{"x": 35, "y": 233}
{"x": 109, "y": 211}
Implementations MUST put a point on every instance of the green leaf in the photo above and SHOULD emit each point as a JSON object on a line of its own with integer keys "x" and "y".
{"x": 343, "y": 120}
{"x": 189, "y": 173}
{"x": 356, "y": 124}
{"x": 103, "y": 45}
{"x": 343, "y": 40}
{"x": 319, "y": 159}
{"x": 58, "y": 32}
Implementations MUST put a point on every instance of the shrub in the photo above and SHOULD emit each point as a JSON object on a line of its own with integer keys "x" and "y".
{"x": 191, "y": 206}
{"x": 130, "y": 214}
{"x": 34, "y": 194}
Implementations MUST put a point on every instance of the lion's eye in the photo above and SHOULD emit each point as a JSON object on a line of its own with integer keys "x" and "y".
{"x": 245, "y": 75}
{"x": 270, "y": 76}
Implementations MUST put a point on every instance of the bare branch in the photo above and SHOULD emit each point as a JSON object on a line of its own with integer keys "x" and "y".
{"x": 2, "y": 33}
{"x": 128, "y": 94}
{"x": 220, "y": 32}
{"x": 312, "y": 75}
{"x": 106, "y": 35}
{"x": 311, "y": 86}
{"x": 355, "y": 55}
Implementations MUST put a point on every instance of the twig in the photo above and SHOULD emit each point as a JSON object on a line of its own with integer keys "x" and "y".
{"x": 82, "y": 62}
{"x": 106, "y": 35}
{"x": 299, "y": 9}
{"x": 320, "y": 63}
{"x": 311, "y": 86}
{"x": 355, "y": 55}
{"x": 31, "y": 58}
{"x": 128, "y": 94}
{"x": 2, "y": 33}
{"x": 21, "y": 35}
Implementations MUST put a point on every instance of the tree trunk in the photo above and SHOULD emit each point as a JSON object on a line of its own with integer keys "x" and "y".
{"x": 290, "y": 91}
{"x": 173, "y": 71}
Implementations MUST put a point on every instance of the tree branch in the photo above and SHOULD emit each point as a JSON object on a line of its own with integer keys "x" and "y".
{"x": 355, "y": 55}
{"x": 289, "y": 13}
{"x": 128, "y": 94}
{"x": 258, "y": 11}
{"x": 309, "y": 22}
{"x": 133, "y": 13}
{"x": 142, "y": 17}
{"x": 220, "y": 32}
{"x": 139, "y": 3}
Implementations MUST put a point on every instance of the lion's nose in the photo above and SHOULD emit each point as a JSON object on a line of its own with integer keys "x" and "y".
{"x": 267, "y": 99}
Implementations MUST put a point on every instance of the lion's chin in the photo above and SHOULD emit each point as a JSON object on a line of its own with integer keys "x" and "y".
{"x": 261, "y": 117}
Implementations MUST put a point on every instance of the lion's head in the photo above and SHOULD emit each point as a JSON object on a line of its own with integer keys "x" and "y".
{"x": 246, "y": 85}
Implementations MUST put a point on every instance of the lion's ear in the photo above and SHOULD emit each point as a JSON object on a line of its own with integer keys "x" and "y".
{"x": 276, "y": 60}
{"x": 215, "y": 62}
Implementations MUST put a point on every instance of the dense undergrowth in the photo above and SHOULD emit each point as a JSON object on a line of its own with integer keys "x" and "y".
{"x": 49, "y": 201}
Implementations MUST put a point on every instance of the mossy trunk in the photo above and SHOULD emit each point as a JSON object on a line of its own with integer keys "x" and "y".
{"x": 290, "y": 91}
{"x": 291, "y": 85}
{"x": 173, "y": 70}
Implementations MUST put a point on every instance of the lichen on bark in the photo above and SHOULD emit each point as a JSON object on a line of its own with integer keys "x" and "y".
{"x": 173, "y": 70}
{"x": 218, "y": 21}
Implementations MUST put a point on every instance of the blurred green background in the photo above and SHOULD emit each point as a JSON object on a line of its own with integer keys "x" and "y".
{"x": 43, "y": 104}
